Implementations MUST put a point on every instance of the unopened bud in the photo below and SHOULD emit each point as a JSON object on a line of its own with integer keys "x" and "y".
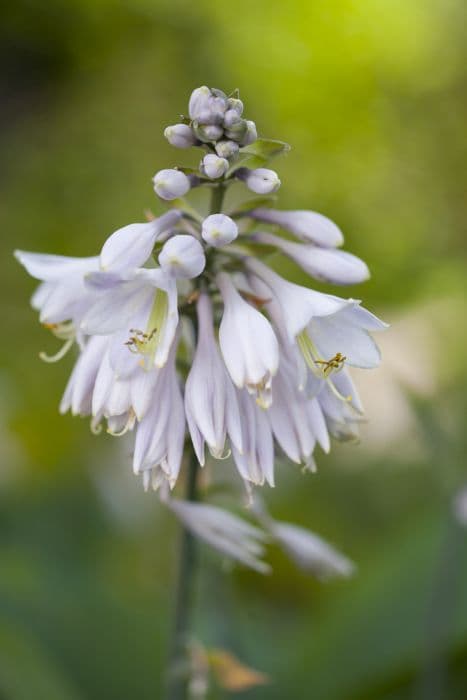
{"x": 182, "y": 256}
{"x": 237, "y": 131}
{"x": 170, "y": 184}
{"x": 231, "y": 117}
{"x": 235, "y": 104}
{"x": 207, "y": 106}
{"x": 219, "y": 230}
{"x": 251, "y": 134}
{"x": 207, "y": 133}
{"x": 261, "y": 180}
{"x": 213, "y": 166}
{"x": 180, "y": 136}
{"x": 227, "y": 149}
{"x": 199, "y": 101}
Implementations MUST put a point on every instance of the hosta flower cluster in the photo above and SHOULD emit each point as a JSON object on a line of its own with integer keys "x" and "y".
{"x": 183, "y": 329}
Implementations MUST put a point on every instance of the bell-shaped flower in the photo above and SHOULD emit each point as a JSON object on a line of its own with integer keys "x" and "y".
{"x": 248, "y": 343}
{"x": 324, "y": 264}
{"x": 149, "y": 295}
{"x": 298, "y": 304}
{"x": 63, "y": 295}
{"x": 289, "y": 418}
{"x": 180, "y": 136}
{"x": 310, "y": 552}
{"x": 213, "y": 166}
{"x": 218, "y": 230}
{"x": 171, "y": 184}
{"x": 80, "y": 387}
{"x": 347, "y": 333}
{"x": 160, "y": 434}
{"x": 132, "y": 245}
{"x": 261, "y": 180}
{"x": 210, "y": 400}
{"x": 183, "y": 257}
{"x": 255, "y": 463}
{"x": 307, "y": 225}
{"x": 228, "y": 534}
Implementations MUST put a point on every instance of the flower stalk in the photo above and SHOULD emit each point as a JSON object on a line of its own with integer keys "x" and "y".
{"x": 178, "y": 673}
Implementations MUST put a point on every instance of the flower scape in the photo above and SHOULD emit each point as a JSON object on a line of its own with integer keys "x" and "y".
{"x": 185, "y": 333}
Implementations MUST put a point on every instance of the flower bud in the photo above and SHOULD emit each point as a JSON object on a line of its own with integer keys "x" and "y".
{"x": 207, "y": 106}
{"x": 237, "y": 131}
{"x": 251, "y": 134}
{"x": 208, "y": 132}
{"x": 235, "y": 104}
{"x": 213, "y": 166}
{"x": 227, "y": 149}
{"x": 180, "y": 136}
{"x": 261, "y": 180}
{"x": 219, "y": 230}
{"x": 199, "y": 101}
{"x": 307, "y": 225}
{"x": 182, "y": 256}
{"x": 170, "y": 184}
{"x": 231, "y": 117}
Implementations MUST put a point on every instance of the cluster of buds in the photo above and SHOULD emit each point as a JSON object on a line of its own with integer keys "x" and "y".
{"x": 216, "y": 124}
{"x": 182, "y": 328}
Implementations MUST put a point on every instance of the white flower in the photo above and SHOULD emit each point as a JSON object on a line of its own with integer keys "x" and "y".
{"x": 261, "y": 180}
{"x": 310, "y": 552}
{"x": 248, "y": 343}
{"x": 255, "y": 462}
{"x": 170, "y": 184}
{"x": 160, "y": 434}
{"x": 180, "y": 136}
{"x": 143, "y": 308}
{"x": 325, "y": 264}
{"x": 63, "y": 295}
{"x": 262, "y": 362}
{"x": 335, "y": 326}
{"x": 214, "y": 167}
{"x": 210, "y": 401}
{"x": 183, "y": 257}
{"x": 132, "y": 245}
{"x": 228, "y": 534}
{"x": 307, "y": 225}
{"x": 219, "y": 230}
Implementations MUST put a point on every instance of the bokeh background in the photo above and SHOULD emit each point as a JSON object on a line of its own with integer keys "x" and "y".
{"x": 371, "y": 96}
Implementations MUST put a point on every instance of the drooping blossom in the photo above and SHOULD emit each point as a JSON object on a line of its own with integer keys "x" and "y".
{"x": 184, "y": 331}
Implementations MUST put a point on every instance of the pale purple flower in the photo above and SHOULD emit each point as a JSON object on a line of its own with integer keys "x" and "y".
{"x": 307, "y": 225}
{"x": 170, "y": 184}
{"x": 261, "y": 180}
{"x": 218, "y": 230}
{"x": 214, "y": 166}
{"x": 233, "y": 537}
{"x": 180, "y": 136}
{"x": 184, "y": 330}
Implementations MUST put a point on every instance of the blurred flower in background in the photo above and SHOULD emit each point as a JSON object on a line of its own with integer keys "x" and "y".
{"x": 371, "y": 96}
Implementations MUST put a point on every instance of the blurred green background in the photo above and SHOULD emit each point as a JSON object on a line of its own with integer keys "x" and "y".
{"x": 371, "y": 96}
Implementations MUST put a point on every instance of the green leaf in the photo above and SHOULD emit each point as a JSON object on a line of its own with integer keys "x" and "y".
{"x": 266, "y": 148}
{"x": 257, "y": 154}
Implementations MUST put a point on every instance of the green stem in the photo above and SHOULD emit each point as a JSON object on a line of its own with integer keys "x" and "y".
{"x": 217, "y": 198}
{"x": 178, "y": 670}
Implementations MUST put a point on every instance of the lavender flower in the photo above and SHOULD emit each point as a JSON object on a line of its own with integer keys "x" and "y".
{"x": 269, "y": 367}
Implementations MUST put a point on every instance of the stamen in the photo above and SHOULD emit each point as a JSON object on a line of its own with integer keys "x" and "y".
{"x": 129, "y": 425}
{"x": 61, "y": 353}
{"x": 145, "y": 343}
